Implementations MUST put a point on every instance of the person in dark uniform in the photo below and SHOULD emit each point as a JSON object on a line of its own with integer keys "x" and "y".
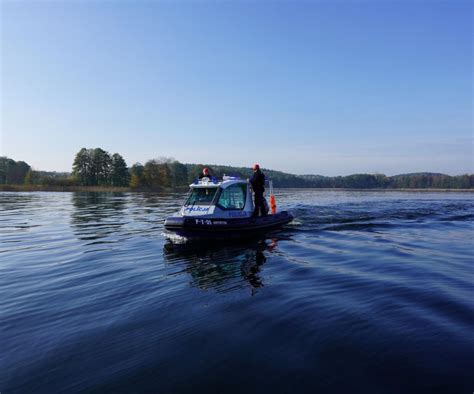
{"x": 258, "y": 185}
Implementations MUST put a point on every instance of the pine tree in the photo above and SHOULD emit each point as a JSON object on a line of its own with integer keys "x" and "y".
{"x": 82, "y": 167}
{"x": 119, "y": 175}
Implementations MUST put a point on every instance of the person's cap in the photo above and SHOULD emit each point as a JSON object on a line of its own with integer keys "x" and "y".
{"x": 205, "y": 170}
{"x": 256, "y": 167}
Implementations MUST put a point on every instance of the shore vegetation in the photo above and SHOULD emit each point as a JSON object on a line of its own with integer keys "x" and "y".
{"x": 97, "y": 169}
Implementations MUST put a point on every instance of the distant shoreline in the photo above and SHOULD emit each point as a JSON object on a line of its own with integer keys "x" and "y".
{"x": 111, "y": 189}
{"x": 41, "y": 188}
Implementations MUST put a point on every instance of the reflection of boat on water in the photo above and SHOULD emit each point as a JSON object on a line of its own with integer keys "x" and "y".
{"x": 222, "y": 209}
{"x": 223, "y": 267}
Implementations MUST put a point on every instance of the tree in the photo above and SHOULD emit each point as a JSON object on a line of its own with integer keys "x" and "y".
{"x": 179, "y": 174}
{"x": 101, "y": 163}
{"x": 82, "y": 167}
{"x": 152, "y": 174}
{"x": 5, "y": 164}
{"x": 18, "y": 172}
{"x": 165, "y": 175}
{"x": 381, "y": 180}
{"x": 92, "y": 167}
{"x": 32, "y": 177}
{"x": 119, "y": 175}
{"x": 137, "y": 178}
{"x": 13, "y": 172}
{"x": 157, "y": 173}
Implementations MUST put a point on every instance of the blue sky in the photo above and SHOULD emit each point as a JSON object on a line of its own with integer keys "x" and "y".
{"x": 330, "y": 88}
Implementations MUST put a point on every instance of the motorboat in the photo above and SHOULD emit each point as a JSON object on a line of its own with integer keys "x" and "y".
{"x": 223, "y": 208}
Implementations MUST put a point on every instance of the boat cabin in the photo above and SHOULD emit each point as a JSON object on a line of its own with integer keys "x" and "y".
{"x": 229, "y": 198}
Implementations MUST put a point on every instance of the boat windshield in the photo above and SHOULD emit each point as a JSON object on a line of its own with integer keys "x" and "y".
{"x": 201, "y": 196}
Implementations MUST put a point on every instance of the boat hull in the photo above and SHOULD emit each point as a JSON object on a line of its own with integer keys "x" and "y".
{"x": 192, "y": 227}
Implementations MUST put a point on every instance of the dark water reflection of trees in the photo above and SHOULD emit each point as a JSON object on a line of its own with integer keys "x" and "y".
{"x": 222, "y": 267}
{"x": 97, "y": 215}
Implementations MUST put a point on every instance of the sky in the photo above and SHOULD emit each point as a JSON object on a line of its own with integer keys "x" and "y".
{"x": 307, "y": 87}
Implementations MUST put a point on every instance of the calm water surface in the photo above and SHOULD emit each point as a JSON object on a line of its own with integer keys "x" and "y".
{"x": 363, "y": 292}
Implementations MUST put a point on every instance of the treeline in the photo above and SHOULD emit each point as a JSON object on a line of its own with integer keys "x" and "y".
{"x": 12, "y": 172}
{"x": 380, "y": 181}
{"x": 97, "y": 167}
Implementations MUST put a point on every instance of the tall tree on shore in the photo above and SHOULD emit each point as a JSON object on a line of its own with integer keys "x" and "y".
{"x": 119, "y": 175}
{"x": 157, "y": 173}
{"x": 179, "y": 174}
{"x": 13, "y": 172}
{"x": 152, "y": 174}
{"x": 82, "y": 167}
{"x": 17, "y": 175}
{"x": 101, "y": 163}
{"x": 137, "y": 178}
{"x": 5, "y": 165}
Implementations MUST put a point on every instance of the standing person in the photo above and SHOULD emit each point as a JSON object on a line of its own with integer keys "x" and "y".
{"x": 258, "y": 185}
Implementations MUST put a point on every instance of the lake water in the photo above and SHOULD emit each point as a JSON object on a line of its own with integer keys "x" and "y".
{"x": 364, "y": 292}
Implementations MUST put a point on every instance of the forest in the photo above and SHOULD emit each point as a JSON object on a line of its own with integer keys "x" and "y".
{"x": 97, "y": 167}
